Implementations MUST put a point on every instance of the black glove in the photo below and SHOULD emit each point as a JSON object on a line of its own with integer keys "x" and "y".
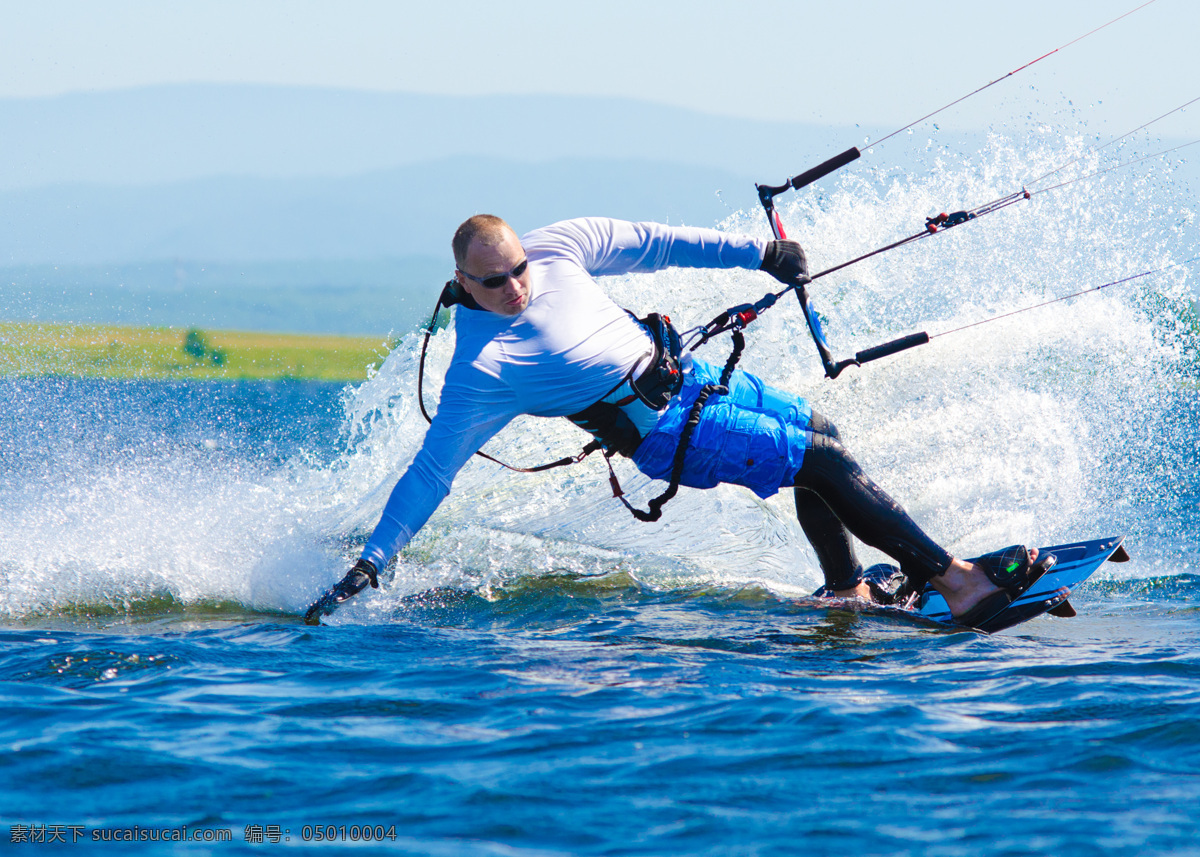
{"x": 354, "y": 582}
{"x": 784, "y": 260}
{"x": 367, "y": 568}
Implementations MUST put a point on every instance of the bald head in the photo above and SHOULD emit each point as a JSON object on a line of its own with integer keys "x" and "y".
{"x": 492, "y": 266}
{"x": 485, "y": 230}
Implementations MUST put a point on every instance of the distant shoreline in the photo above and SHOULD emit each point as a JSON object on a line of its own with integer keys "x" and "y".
{"x": 117, "y": 352}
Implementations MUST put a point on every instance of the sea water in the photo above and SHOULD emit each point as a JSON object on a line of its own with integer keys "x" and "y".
{"x": 544, "y": 675}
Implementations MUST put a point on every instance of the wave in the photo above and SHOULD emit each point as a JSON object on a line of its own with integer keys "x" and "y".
{"x": 619, "y": 606}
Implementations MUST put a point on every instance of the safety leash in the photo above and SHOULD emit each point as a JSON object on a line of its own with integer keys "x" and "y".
{"x": 450, "y": 296}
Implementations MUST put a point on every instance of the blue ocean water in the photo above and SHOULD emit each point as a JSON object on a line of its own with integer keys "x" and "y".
{"x": 542, "y": 675}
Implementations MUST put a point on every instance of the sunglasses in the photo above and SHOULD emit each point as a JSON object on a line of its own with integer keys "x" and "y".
{"x": 497, "y": 281}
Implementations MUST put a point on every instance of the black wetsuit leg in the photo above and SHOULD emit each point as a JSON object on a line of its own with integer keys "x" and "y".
{"x": 830, "y": 475}
{"x": 825, "y": 531}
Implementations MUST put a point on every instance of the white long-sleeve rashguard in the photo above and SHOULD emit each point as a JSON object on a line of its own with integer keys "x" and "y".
{"x": 569, "y": 348}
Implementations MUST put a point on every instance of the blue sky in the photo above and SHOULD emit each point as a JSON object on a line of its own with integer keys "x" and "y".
{"x": 854, "y": 61}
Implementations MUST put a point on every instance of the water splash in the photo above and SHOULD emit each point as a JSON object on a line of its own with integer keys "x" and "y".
{"x": 1073, "y": 421}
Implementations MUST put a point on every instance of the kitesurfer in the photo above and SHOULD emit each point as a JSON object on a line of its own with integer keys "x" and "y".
{"x": 537, "y": 335}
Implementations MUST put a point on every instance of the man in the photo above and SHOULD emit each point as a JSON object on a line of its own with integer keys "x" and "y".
{"x": 536, "y": 335}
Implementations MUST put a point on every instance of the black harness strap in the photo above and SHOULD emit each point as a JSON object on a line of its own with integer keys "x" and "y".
{"x": 685, "y": 437}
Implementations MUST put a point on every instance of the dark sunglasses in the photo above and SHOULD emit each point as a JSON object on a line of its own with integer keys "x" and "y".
{"x": 497, "y": 281}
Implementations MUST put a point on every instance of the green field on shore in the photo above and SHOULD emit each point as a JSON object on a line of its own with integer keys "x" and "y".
{"x": 109, "y": 351}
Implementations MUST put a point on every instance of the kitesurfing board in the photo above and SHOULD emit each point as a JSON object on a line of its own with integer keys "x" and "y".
{"x": 1075, "y": 563}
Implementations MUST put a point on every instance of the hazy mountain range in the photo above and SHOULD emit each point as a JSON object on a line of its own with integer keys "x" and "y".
{"x": 181, "y": 132}
{"x": 105, "y": 198}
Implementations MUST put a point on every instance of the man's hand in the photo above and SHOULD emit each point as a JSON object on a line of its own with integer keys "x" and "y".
{"x": 784, "y": 260}
{"x": 354, "y": 582}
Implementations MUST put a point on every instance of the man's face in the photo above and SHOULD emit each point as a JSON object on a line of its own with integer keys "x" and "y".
{"x": 484, "y": 260}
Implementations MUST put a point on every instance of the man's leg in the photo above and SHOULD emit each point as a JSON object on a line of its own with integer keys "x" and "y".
{"x": 971, "y": 592}
{"x": 830, "y": 475}
{"x": 751, "y": 436}
{"x": 828, "y": 535}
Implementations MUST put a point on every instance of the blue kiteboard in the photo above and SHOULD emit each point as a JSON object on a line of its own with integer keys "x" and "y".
{"x": 1074, "y": 564}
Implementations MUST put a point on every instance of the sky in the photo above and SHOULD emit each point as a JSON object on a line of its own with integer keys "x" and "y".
{"x": 853, "y": 61}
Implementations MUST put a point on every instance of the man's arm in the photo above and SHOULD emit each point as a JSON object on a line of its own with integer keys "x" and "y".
{"x": 603, "y": 246}
{"x": 468, "y": 416}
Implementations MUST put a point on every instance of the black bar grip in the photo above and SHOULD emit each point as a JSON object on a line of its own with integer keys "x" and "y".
{"x": 821, "y": 170}
{"x": 901, "y": 344}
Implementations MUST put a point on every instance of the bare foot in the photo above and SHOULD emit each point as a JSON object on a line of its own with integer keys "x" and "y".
{"x": 861, "y": 591}
{"x": 965, "y": 584}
